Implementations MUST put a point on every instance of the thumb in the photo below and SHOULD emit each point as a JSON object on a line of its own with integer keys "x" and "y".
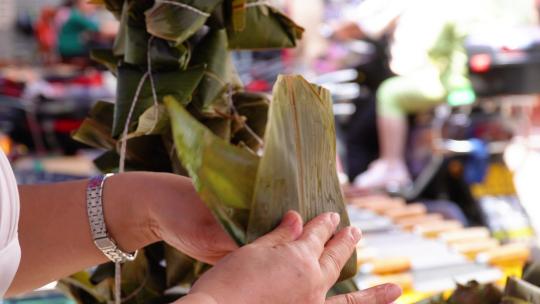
{"x": 288, "y": 230}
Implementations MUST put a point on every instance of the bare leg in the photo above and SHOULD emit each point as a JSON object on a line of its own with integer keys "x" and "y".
{"x": 392, "y": 138}
{"x": 390, "y": 168}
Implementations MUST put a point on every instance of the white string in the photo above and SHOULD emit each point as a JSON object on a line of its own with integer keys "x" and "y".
{"x": 257, "y": 3}
{"x": 188, "y": 7}
{"x": 152, "y": 85}
{"x": 123, "y": 148}
{"x": 123, "y": 140}
{"x": 117, "y": 283}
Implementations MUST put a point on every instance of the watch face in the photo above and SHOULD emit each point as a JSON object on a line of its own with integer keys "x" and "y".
{"x": 105, "y": 244}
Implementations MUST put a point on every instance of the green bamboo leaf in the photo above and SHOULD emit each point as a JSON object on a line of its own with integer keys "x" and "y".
{"x": 105, "y": 57}
{"x": 142, "y": 283}
{"x": 79, "y": 285}
{"x": 223, "y": 174}
{"x": 217, "y": 18}
{"x": 136, "y": 45}
{"x": 144, "y": 153}
{"x": 179, "y": 84}
{"x": 180, "y": 267}
{"x": 177, "y": 20}
{"x": 298, "y": 167}
{"x": 212, "y": 50}
{"x": 119, "y": 45}
{"x": 343, "y": 287}
{"x": 166, "y": 56}
{"x": 95, "y": 130}
{"x": 265, "y": 28}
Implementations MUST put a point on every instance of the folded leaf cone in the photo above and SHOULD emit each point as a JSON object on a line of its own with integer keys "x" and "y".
{"x": 298, "y": 167}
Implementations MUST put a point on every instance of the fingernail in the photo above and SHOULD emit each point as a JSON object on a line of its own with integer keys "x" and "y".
{"x": 356, "y": 234}
{"x": 335, "y": 218}
{"x": 289, "y": 219}
{"x": 392, "y": 292}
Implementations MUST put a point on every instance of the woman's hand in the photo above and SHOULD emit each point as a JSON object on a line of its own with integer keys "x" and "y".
{"x": 140, "y": 208}
{"x": 178, "y": 217}
{"x": 292, "y": 264}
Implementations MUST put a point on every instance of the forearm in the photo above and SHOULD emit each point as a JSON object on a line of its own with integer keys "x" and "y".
{"x": 54, "y": 231}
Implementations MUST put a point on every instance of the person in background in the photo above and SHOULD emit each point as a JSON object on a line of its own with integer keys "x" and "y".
{"x": 82, "y": 29}
{"x": 428, "y": 68}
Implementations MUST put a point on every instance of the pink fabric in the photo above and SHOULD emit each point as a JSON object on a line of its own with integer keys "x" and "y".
{"x": 10, "y": 251}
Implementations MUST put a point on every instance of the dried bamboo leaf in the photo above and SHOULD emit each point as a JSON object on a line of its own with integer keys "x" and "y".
{"x": 298, "y": 168}
{"x": 177, "y": 20}
{"x": 153, "y": 121}
{"x": 223, "y": 174}
{"x": 265, "y": 27}
{"x": 95, "y": 130}
{"x": 254, "y": 108}
{"x": 522, "y": 290}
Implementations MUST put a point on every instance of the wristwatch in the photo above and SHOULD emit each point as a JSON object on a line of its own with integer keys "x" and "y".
{"x": 94, "y": 206}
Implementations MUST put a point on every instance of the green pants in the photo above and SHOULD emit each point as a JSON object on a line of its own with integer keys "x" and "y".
{"x": 402, "y": 95}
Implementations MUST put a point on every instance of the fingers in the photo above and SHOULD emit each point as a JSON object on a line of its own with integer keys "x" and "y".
{"x": 382, "y": 294}
{"x": 288, "y": 230}
{"x": 318, "y": 231}
{"x": 337, "y": 252}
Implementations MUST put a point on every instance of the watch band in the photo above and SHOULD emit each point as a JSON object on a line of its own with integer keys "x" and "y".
{"x": 94, "y": 206}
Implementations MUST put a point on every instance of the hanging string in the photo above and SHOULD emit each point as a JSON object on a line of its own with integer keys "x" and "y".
{"x": 123, "y": 151}
{"x": 123, "y": 139}
{"x": 182, "y": 5}
{"x": 152, "y": 84}
{"x": 258, "y": 3}
{"x": 121, "y": 167}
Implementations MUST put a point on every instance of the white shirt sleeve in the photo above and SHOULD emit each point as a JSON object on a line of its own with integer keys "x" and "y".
{"x": 10, "y": 251}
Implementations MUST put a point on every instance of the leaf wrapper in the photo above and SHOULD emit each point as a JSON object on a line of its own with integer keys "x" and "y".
{"x": 298, "y": 168}
{"x": 265, "y": 27}
{"x": 518, "y": 289}
{"x": 223, "y": 174}
{"x": 179, "y": 84}
{"x": 178, "y": 22}
{"x": 212, "y": 50}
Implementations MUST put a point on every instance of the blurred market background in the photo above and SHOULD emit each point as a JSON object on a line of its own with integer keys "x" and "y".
{"x": 464, "y": 202}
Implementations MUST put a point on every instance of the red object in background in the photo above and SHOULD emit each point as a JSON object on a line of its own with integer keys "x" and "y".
{"x": 480, "y": 63}
{"x": 46, "y": 31}
{"x": 258, "y": 86}
{"x": 91, "y": 79}
{"x": 11, "y": 88}
{"x": 66, "y": 125}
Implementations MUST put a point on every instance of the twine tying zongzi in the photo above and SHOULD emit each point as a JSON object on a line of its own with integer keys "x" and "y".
{"x": 123, "y": 151}
{"x": 188, "y": 7}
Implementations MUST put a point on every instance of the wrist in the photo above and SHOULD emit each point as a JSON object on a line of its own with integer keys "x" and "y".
{"x": 125, "y": 203}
